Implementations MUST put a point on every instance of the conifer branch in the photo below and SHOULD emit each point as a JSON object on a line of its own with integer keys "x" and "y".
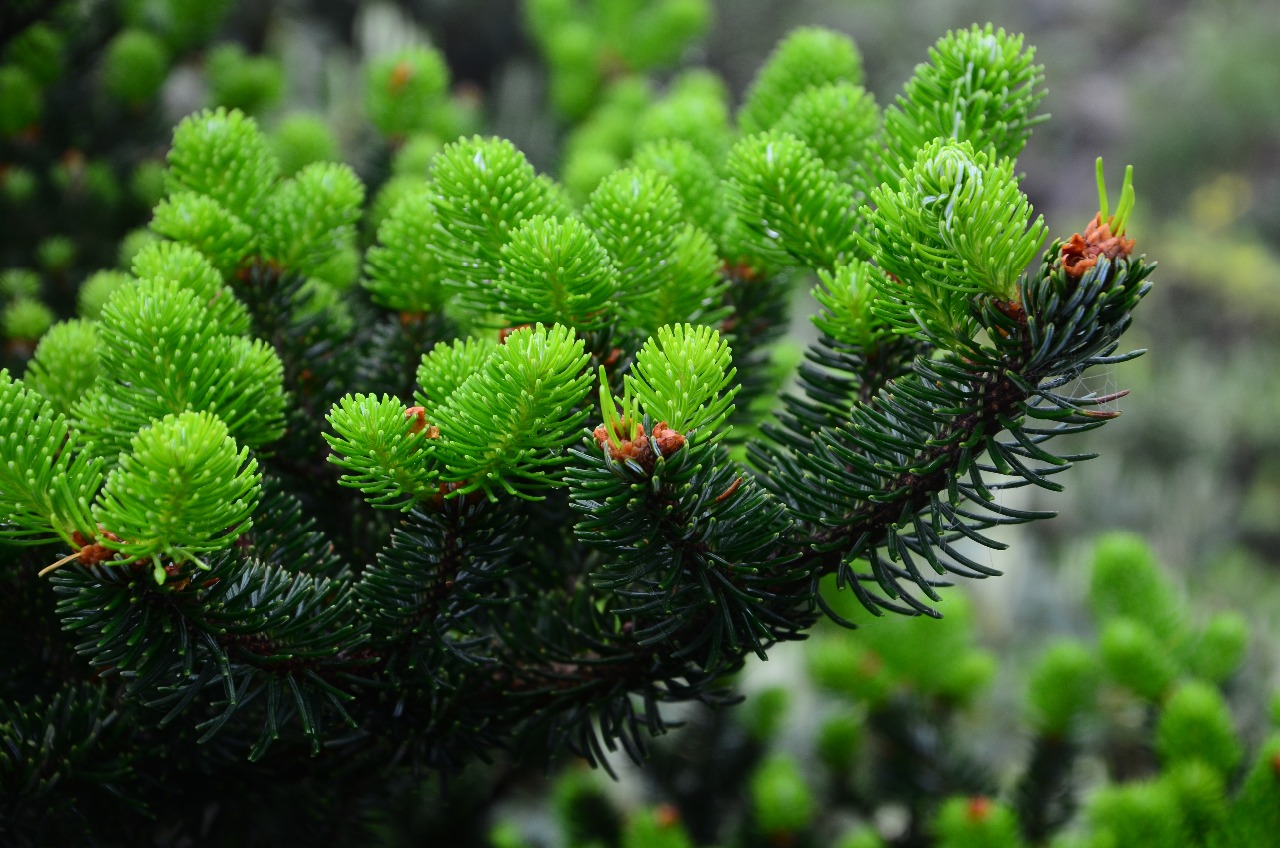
{"x": 472, "y": 489}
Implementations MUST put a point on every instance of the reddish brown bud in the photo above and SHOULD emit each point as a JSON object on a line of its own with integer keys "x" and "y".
{"x": 1012, "y": 308}
{"x": 666, "y": 816}
{"x": 400, "y": 76}
{"x": 979, "y": 808}
{"x": 506, "y": 332}
{"x": 95, "y": 554}
{"x": 612, "y": 64}
{"x": 739, "y": 271}
{"x": 73, "y": 159}
{"x": 637, "y": 449}
{"x": 420, "y": 425}
{"x": 90, "y": 553}
{"x": 1081, "y": 252}
{"x": 448, "y": 488}
{"x": 669, "y": 441}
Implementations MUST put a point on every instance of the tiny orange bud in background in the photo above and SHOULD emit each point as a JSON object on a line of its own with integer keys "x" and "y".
{"x": 979, "y": 808}
{"x": 506, "y": 332}
{"x": 400, "y": 76}
{"x": 666, "y": 816}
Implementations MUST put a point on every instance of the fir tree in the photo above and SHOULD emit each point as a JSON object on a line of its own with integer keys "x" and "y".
{"x": 494, "y": 486}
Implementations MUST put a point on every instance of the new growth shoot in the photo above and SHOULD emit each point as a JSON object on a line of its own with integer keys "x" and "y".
{"x": 1127, "y": 198}
{"x": 618, "y": 428}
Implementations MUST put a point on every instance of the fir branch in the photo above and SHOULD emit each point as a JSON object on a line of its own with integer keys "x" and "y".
{"x": 533, "y": 595}
{"x": 980, "y": 86}
{"x": 874, "y": 488}
{"x": 182, "y": 490}
{"x": 387, "y": 448}
{"x": 45, "y": 480}
{"x": 795, "y": 210}
{"x": 222, "y": 156}
{"x": 808, "y": 57}
{"x": 62, "y": 756}
{"x": 688, "y": 538}
{"x": 556, "y": 270}
{"x": 503, "y": 428}
{"x": 636, "y": 215}
{"x": 682, "y": 379}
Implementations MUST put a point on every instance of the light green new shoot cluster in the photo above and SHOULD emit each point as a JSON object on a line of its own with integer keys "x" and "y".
{"x": 484, "y": 189}
{"x": 981, "y": 85}
{"x": 180, "y": 491}
{"x": 586, "y": 42}
{"x": 505, "y": 426}
{"x": 555, "y": 269}
{"x": 226, "y": 199}
{"x": 795, "y": 209}
{"x": 376, "y": 444}
{"x": 683, "y": 378}
{"x": 493, "y": 418}
{"x": 399, "y": 273}
{"x": 43, "y": 474}
{"x": 954, "y": 227}
{"x": 847, "y": 296}
{"x": 164, "y": 394}
{"x": 808, "y": 58}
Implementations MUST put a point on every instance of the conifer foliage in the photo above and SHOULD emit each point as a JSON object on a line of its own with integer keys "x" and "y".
{"x": 569, "y": 518}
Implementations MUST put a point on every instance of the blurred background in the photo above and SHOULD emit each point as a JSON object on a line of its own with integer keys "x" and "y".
{"x": 1187, "y": 91}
